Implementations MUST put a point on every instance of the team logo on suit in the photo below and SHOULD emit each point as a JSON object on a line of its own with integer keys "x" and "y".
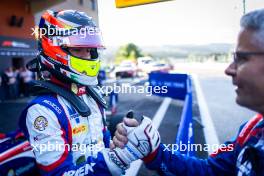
{"x": 40, "y": 123}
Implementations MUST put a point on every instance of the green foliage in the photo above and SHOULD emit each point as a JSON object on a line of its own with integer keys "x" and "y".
{"x": 129, "y": 51}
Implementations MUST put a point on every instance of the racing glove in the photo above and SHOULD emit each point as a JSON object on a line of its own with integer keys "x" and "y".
{"x": 143, "y": 141}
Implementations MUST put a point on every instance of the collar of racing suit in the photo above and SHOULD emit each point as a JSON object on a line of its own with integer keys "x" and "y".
{"x": 75, "y": 88}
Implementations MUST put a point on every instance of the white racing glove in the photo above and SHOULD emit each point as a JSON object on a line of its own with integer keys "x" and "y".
{"x": 142, "y": 141}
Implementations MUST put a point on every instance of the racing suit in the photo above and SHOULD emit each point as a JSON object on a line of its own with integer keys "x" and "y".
{"x": 63, "y": 142}
{"x": 245, "y": 158}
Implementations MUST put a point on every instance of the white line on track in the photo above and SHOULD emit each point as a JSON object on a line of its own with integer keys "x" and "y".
{"x": 211, "y": 137}
{"x": 157, "y": 119}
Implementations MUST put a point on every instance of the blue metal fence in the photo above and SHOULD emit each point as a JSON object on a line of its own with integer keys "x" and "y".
{"x": 179, "y": 87}
{"x": 185, "y": 131}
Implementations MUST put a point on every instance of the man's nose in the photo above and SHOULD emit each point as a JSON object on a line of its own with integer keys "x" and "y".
{"x": 231, "y": 70}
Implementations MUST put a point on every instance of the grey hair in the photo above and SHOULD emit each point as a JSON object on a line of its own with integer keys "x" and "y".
{"x": 255, "y": 21}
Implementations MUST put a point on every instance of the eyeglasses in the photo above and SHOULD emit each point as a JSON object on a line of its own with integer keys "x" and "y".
{"x": 240, "y": 56}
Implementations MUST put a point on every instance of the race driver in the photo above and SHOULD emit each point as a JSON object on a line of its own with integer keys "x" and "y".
{"x": 64, "y": 141}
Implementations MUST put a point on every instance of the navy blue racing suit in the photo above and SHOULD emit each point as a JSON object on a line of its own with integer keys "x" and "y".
{"x": 244, "y": 158}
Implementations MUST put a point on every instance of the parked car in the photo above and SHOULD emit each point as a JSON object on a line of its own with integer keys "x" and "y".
{"x": 144, "y": 65}
{"x": 161, "y": 67}
{"x": 126, "y": 69}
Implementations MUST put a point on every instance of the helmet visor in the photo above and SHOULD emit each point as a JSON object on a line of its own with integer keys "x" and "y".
{"x": 85, "y": 67}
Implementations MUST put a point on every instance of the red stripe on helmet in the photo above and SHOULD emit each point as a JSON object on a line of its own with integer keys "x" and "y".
{"x": 52, "y": 20}
{"x": 55, "y": 52}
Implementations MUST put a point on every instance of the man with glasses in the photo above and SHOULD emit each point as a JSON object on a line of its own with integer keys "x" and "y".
{"x": 245, "y": 157}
